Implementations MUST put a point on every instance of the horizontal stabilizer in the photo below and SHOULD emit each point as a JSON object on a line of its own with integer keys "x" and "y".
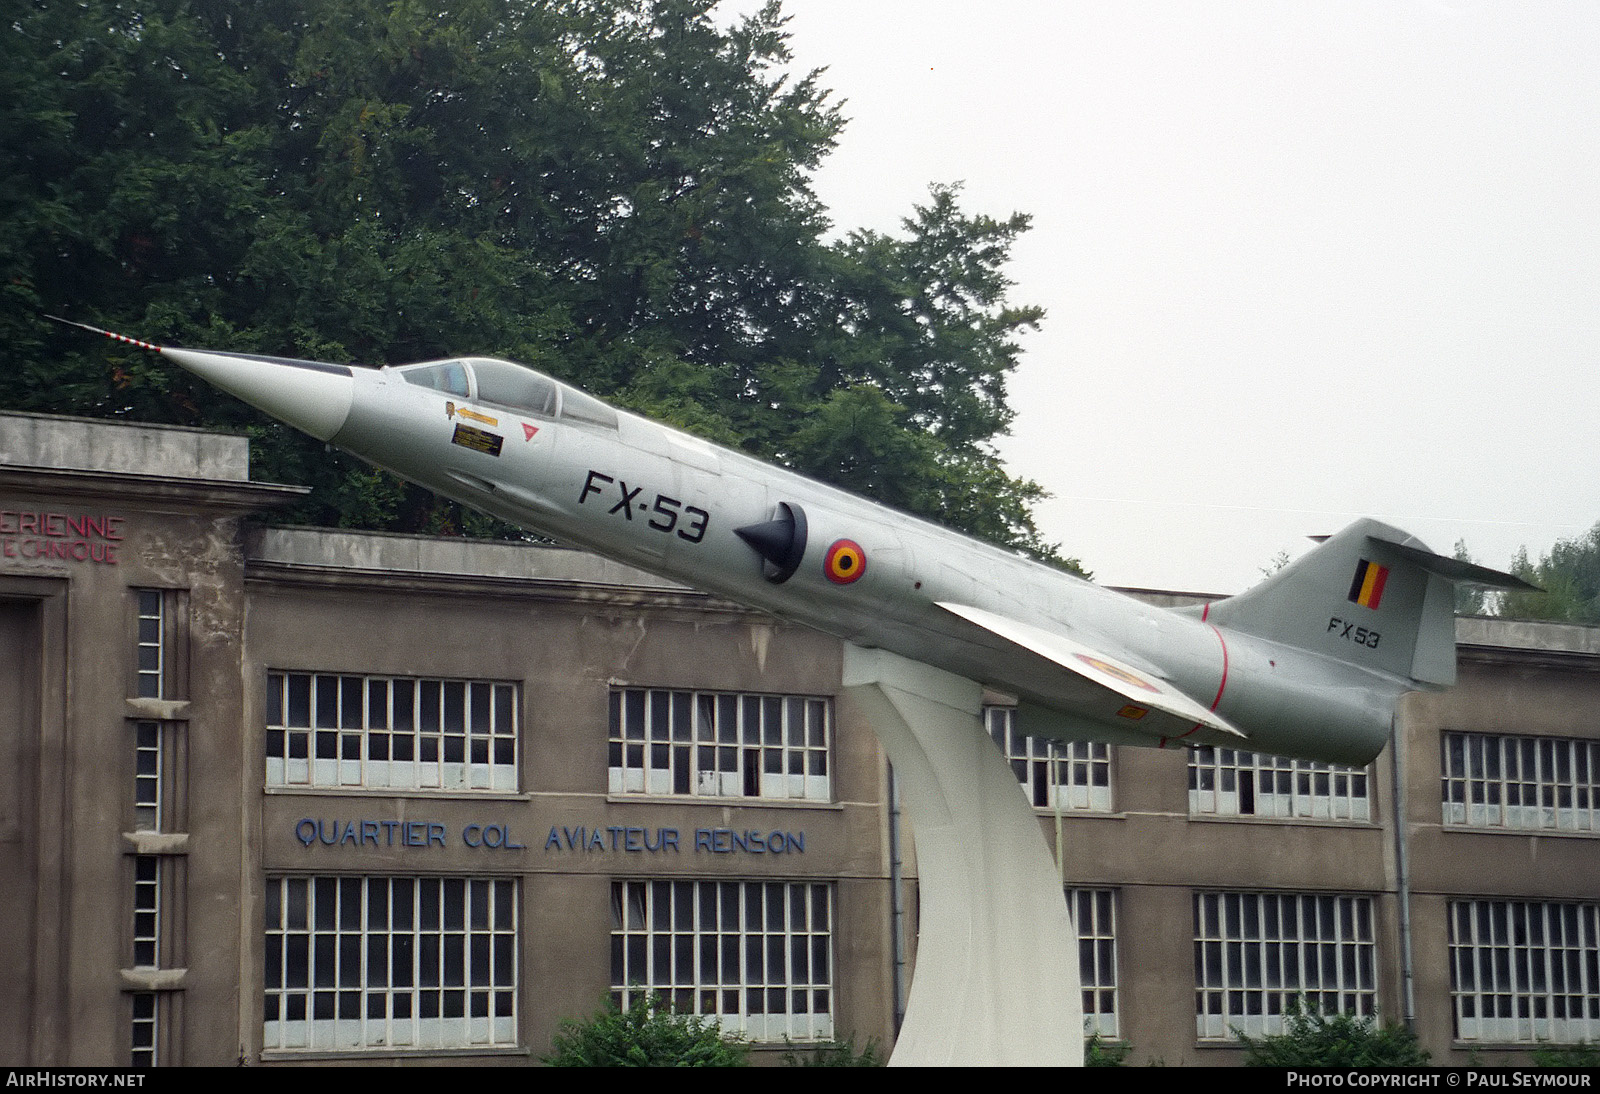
{"x": 1453, "y": 569}
{"x": 1103, "y": 669}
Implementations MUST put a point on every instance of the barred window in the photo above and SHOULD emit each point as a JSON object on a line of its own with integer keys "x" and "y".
{"x": 1259, "y": 955}
{"x": 720, "y": 744}
{"x": 381, "y": 732}
{"x": 151, "y": 647}
{"x": 1229, "y": 783}
{"x": 147, "y": 754}
{"x": 146, "y": 911}
{"x": 1522, "y": 971}
{"x": 390, "y": 962}
{"x": 145, "y": 1029}
{"x": 755, "y": 955}
{"x": 1521, "y": 782}
{"x": 1094, "y": 917}
{"x": 1054, "y": 774}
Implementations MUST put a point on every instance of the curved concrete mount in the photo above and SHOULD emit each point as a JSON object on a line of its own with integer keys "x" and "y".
{"x": 996, "y": 979}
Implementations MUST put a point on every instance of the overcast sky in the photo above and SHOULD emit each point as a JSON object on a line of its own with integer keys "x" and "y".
{"x": 1301, "y": 262}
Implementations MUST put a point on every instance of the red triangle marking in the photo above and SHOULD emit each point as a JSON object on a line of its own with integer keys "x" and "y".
{"x": 528, "y": 431}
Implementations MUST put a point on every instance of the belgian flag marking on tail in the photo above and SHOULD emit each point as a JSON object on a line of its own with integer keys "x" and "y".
{"x": 1367, "y": 587}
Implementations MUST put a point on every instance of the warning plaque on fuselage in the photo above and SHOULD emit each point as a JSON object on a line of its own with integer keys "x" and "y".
{"x": 479, "y": 440}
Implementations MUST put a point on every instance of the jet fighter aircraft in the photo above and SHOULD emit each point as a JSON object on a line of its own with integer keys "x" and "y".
{"x": 1310, "y": 663}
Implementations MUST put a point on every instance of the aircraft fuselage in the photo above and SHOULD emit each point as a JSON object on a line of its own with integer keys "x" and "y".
{"x": 670, "y": 504}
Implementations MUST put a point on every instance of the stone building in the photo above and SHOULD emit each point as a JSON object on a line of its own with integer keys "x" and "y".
{"x": 285, "y": 794}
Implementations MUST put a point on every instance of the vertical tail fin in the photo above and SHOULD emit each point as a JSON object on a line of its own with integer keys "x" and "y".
{"x": 1372, "y": 596}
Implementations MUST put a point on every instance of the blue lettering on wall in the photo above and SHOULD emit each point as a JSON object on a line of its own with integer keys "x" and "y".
{"x": 627, "y": 839}
{"x": 393, "y": 833}
{"x": 725, "y": 841}
{"x": 612, "y": 838}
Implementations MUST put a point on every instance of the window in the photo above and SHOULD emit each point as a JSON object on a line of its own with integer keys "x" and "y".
{"x": 757, "y": 956}
{"x": 390, "y": 962}
{"x": 1054, "y": 774}
{"x": 380, "y": 732}
{"x": 1229, "y": 783}
{"x": 145, "y": 1029}
{"x": 147, "y": 777}
{"x": 1525, "y": 972}
{"x": 515, "y": 387}
{"x": 1257, "y": 955}
{"x": 151, "y": 645}
{"x": 449, "y": 377}
{"x": 720, "y": 744}
{"x": 1094, "y": 917}
{"x": 1548, "y": 783}
{"x": 146, "y": 911}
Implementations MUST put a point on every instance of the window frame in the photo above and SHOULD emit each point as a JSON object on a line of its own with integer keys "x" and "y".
{"x": 677, "y": 938}
{"x": 1234, "y": 931}
{"x": 1513, "y": 957}
{"x": 473, "y": 953}
{"x": 690, "y": 758}
{"x": 1301, "y": 801}
{"x": 1054, "y": 774}
{"x": 364, "y": 747}
{"x": 1094, "y": 919}
{"x": 1502, "y": 761}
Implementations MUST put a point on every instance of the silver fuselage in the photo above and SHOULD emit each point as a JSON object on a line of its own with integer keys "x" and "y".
{"x": 669, "y": 503}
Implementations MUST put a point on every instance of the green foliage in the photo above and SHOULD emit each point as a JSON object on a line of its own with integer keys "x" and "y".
{"x": 1470, "y": 599}
{"x": 614, "y": 191}
{"x": 1340, "y": 1040}
{"x": 1582, "y": 1054}
{"x": 647, "y": 1034}
{"x": 1099, "y": 1052}
{"x": 1276, "y": 563}
{"x": 835, "y": 1054}
{"x": 1569, "y": 577}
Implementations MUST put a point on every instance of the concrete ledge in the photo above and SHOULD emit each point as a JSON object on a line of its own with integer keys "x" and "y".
{"x": 1527, "y": 634}
{"x": 154, "y": 979}
{"x": 157, "y": 843}
{"x": 438, "y": 556}
{"x": 92, "y": 444}
{"x": 160, "y": 710}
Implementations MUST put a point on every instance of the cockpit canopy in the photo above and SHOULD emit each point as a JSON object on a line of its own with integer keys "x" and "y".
{"x": 510, "y": 385}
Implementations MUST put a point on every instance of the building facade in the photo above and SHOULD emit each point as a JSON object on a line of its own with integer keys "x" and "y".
{"x": 281, "y": 795}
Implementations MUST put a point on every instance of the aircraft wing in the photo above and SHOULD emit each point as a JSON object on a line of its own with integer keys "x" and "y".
{"x": 1148, "y": 697}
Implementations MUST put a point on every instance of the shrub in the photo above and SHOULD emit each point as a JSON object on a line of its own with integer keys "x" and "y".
{"x": 647, "y": 1034}
{"x": 1099, "y": 1052}
{"x": 1582, "y": 1054}
{"x": 835, "y": 1054}
{"x": 1340, "y": 1040}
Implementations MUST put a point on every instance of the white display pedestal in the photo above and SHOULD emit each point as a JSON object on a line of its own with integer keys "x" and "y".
{"x": 996, "y": 978}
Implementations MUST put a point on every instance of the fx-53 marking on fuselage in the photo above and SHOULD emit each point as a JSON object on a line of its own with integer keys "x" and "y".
{"x": 1256, "y": 670}
{"x": 665, "y": 510}
{"x": 1361, "y": 636}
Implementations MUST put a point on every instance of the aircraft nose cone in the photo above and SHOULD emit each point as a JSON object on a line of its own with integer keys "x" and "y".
{"x": 313, "y": 397}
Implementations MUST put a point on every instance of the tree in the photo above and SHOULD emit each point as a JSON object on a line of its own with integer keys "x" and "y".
{"x": 1569, "y": 577}
{"x": 647, "y": 1034}
{"x": 1470, "y": 599}
{"x": 1339, "y": 1040}
{"x": 613, "y": 191}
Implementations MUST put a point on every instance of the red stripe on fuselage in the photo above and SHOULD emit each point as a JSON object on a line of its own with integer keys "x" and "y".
{"x": 1221, "y": 684}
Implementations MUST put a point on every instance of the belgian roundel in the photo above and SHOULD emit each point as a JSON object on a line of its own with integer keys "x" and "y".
{"x": 845, "y": 562}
